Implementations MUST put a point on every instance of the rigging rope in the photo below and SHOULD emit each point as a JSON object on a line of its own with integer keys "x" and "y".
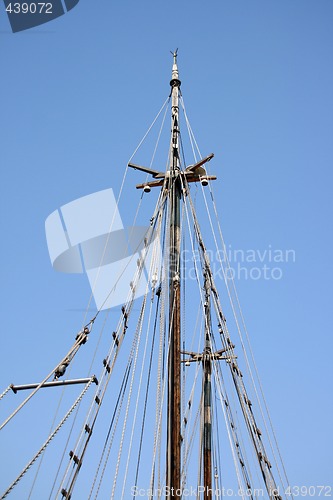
{"x": 150, "y": 278}
{"x": 118, "y": 338}
{"x": 223, "y": 406}
{"x": 230, "y": 420}
{"x": 49, "y": 439}
{"x": 161, "y": 380}
{"x": 158, "y": 293}
{"x": 217, "y": 459}
{"x": 80, "y": 340}
{"x": 192, "y": 140}
{"x": 74, "y": 419}
{"x": 137, "y": 399}
{"x": 146, "y": 395}
{"x": 188, "y": 418}
{"x": 219, "y": 384}
{"x": 114, "y": 213}
{"x": 6, "y": 391}
{"x": 247, "y": 337}
{"x": 73, "y": 422}
{"x": 100, "y": 393}
{"x": 239, "y": 385}
{"x": 115, "y": 418}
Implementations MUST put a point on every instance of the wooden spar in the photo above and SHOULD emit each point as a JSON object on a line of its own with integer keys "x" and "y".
{"x": 173, "y": 472}
{"x": 54, "y": 383}
{"x": 207, "y": 392}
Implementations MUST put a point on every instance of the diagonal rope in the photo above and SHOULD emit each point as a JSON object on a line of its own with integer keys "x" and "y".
{"x": 247, "y": 337}
{"x": 5, "y": 391}
{"x": 77, "y": 344}
{"x": 49, "y": 439}
{"x": 137, "y": 341}
{"x": 195, "y": 145}
{"x": 114, "y": 213}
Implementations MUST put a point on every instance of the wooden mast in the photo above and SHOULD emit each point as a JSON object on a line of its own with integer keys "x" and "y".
{"x": 173, "y": 473}
{"x": 207, "y": 397}
{"x": 172, "y": 181}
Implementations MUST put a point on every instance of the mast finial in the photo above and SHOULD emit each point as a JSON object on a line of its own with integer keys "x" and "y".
{"x": 175, "y": 76}
{"x": 174, "y": 54}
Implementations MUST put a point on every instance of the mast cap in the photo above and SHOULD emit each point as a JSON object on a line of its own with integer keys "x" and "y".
{"x": 175, "y": 82}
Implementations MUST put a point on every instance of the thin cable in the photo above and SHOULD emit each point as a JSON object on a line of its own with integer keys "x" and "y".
{"x": 146, "y": 395}
{"x": 71, "y": 353}
{"x": 49, "y": 439}
{"x": 222, "y": 399}
{"x": 247, "y": 337}
{"x": 155, "y": 248}
{"x": 239, "y": 385}
{"x": 136, "y": 408}
{"x": 76, "y": 414}
{"x": 138, "y": 336}
{"x": 113, "y": 425}
{"x": 148, "y": 235}
{"x": 114, "y": 213}
{"x": 191, "y": 134}
{"x": 5, "y": 391}
{"x": 100, "y": 393}
{"x": 193, "y": 141}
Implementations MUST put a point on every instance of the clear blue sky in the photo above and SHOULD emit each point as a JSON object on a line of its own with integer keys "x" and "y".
{"x": 78, "y": 93}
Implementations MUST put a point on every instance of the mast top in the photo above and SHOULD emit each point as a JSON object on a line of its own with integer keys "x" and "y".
{"x": 193, "y": 173}
{"x": 175, "y": 82}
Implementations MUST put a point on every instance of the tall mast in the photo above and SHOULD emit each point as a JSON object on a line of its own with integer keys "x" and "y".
{"x": 172, "y": 181}
{"x": 173, "y": 473}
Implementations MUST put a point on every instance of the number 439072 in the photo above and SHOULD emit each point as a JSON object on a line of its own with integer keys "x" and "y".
{"x": 31, "y": 8}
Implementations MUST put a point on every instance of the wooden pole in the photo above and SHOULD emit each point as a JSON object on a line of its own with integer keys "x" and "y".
{"x": 173, "y": 477}
{"x": 207, "y": 397}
